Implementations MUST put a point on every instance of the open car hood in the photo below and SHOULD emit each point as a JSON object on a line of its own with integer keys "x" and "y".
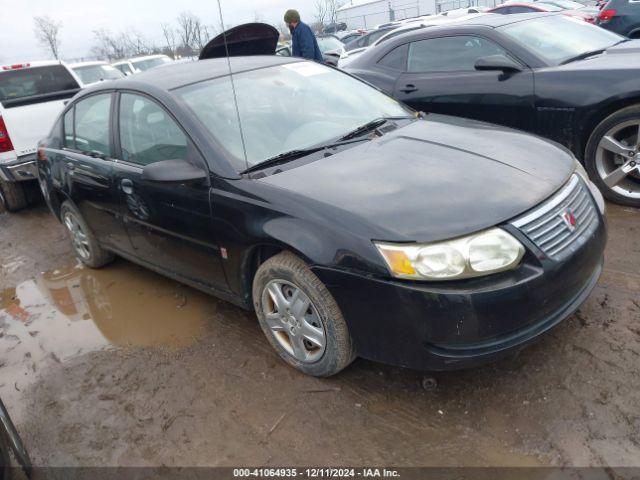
{"x": 242, "y": 40}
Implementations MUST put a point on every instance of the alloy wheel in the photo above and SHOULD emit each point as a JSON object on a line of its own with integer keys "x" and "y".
{"x": 78, "y": 236}
{"x": 294, "y": 321}
{"x": 618, "y": 159}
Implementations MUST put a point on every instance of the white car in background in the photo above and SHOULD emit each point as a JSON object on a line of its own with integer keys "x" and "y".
{"x": 94, "y": 72}
{"x": 140, "y": 64}
{"x": 31, "y": 97}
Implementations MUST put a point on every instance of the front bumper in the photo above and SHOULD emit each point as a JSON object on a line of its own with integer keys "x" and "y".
{"x": 20, "y": 170}
{"x": 455, "y": 325}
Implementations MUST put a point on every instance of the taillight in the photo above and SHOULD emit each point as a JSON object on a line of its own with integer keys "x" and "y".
{"x": 607, "y": 15}
{"x": 16, "y": 66}
{"x": 42, "y": 155}
{"x": 5, "y": 140}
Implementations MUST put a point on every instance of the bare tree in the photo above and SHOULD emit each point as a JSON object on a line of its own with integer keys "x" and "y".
{"x": 129, "y": 43}
{"x": 47, "y": 33}
{"x": 171, "y": 45}
{"x": 188, "y": 24}
{"x": 321, "y": 12}
{"x": 332, "y": 10}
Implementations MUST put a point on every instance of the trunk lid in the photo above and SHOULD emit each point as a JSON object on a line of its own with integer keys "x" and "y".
{"x": 243, "y": 40}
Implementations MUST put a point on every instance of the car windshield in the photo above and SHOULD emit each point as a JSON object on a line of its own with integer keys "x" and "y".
{"x": 557, "y": 39}
{"x": 284, "y": 108}
{"x": 327, "y": 44}
{"x": 143, "y": 65}
{"x": 96, "y": 73}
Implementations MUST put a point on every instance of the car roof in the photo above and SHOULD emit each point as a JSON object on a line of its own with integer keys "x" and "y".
{"x": 181, "y": 74}
{"x": 37, "y": 63}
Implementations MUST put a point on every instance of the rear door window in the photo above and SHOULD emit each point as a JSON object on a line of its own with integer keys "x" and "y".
{"x": 395, "y": 59}
{"x": 92, "y": 117}
{"x": 22, "y": 85}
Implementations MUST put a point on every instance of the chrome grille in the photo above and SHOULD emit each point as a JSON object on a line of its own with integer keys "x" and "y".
{"x": 562, "y": 224}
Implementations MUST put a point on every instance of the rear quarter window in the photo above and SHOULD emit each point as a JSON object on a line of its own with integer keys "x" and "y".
{"x": 29, "y": 85}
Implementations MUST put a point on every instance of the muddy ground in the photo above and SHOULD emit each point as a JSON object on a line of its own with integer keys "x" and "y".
{"x": 123, "y": 367}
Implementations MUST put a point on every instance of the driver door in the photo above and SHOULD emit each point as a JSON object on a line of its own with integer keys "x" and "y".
{"x": 169, "y": 224}
{"x": 440, "y": 77}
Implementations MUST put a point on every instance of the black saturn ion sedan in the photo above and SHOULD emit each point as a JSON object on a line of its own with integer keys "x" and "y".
{"x": 352, "y": 225}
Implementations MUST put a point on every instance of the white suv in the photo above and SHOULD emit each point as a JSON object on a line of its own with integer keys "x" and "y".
{"x": 31, "y": 97}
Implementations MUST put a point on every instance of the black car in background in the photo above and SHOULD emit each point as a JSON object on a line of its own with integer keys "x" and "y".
{"x": 352, "y": 226}
{"x": 621, "y": 16}
{"x": 548, "y": 74}
{"x": 368, "y": 38}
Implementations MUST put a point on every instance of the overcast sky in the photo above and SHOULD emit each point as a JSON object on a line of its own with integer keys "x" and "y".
{"x": 80, "y": 17}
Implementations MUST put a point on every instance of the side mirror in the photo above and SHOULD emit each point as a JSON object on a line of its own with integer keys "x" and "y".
{"x": 173, "y": 171}
{"x": 497, "y": 62}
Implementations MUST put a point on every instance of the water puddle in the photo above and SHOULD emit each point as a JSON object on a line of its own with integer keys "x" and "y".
{"x": 68, "y": 312}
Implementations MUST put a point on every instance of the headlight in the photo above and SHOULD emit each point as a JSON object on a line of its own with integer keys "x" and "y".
{"x": 580, "y": 170}
{"x": 476, "y": 255}
{"x": 597, "y": 195}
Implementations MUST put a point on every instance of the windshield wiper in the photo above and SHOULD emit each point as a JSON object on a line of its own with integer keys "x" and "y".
{"x": 295, "y": 154}
{"x": 371, "y": 126}
{"x": 582, "y": 56}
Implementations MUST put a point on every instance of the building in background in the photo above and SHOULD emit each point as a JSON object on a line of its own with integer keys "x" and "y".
{"x": 369, "y": 13}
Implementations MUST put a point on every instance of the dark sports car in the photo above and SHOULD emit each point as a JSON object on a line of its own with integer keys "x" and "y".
{"x": 547, "y": 74}
{"x": 350, "y": 224}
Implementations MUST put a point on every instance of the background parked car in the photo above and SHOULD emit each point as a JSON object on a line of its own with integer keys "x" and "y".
{"x": 577, "y": 10}
{"x": 348, "y": 36}
{"x": 544, "y": 73}
{"x": 621, "y": 16}
{"x": 94, "y": 72}
{"x": 331, "y": 49}
{"x": 140, "y": 64}
{"x": 335, "y": 27}
{"x": 365, "y": 40}
{"x": 31, "y": 96}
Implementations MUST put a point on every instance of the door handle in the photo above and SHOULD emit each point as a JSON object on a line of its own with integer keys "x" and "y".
{"x": 127, "y": 186}
{"x": 71, "y": 166}
{"x": 409, "y": 88}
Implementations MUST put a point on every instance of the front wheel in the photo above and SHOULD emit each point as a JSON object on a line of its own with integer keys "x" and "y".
{"x": 300, "y": 318}
{"x": 613, "y": 156}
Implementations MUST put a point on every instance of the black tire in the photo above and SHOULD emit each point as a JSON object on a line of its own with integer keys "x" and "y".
{"x": 97, "y": 256}
{"x": 619, "y": 117}
{"x": 12, "y": 196}
{"x": 339, "y": 350}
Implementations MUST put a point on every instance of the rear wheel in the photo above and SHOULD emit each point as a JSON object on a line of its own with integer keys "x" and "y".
{"x": 300, "y": 318}
{"x": 12, "y": 196}
{"x": 84, "y": 242}
{"x": 613, "y": 156}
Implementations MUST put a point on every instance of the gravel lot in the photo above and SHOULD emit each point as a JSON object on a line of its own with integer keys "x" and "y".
{"x": 124, "y": 367}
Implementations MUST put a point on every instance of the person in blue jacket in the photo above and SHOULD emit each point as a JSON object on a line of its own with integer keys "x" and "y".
{"x": 303, "y": 41}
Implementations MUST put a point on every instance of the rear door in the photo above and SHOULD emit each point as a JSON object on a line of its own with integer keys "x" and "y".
{"x": 169, "y": 224}
{"x": 86, "y": 159}
{"x": 440, "y": 77}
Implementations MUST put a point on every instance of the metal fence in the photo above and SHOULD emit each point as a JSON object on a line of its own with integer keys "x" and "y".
{"x": 408, "y": 10}
{"x": 446, "y": 5}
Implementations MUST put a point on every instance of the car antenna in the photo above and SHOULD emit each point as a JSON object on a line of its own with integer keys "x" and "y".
{"x": 233, "y": 87}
